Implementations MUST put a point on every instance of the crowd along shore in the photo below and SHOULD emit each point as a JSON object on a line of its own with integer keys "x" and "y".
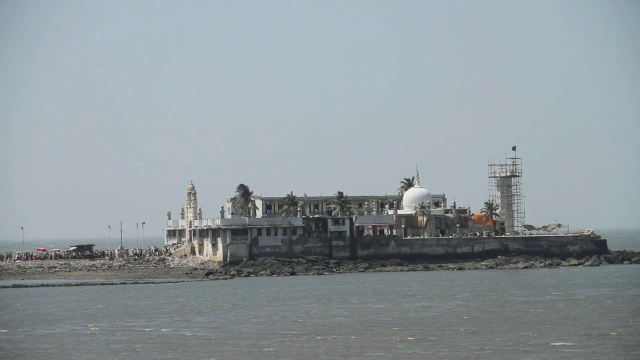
{"x": 159, "y": 269}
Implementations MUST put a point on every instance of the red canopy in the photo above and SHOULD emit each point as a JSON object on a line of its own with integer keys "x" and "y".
{"x": 41, "y": 249}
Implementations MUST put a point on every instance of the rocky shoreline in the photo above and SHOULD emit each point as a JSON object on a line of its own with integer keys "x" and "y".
{"x": 171, "y": 269}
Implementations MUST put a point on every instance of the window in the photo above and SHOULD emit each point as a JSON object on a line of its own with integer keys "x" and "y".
{"x": 259, "y": 231}
{"x": 275, "y": 231}
{"x": 268, "y": 207}
{"x": 359, "y": 205}
{"x": 294, "y": 231}
{"x": 268, "y": 231}
{"x": 284, "y": 231}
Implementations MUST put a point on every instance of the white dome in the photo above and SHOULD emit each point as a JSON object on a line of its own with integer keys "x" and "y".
{"x": 191, "y": 187}
{"x": 414, "y": 196}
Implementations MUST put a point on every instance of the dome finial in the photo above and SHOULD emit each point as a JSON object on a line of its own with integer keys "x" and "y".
{"x": 417, "y": 175}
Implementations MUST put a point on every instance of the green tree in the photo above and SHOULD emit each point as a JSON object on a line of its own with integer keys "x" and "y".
{"x": 341, "y": 204}
{"x": 406, "y": 184}
{"x": 290, "y": 205}
{"x": 243, "y": 199}
{"x": 422, "y": 209}
{"x": 490, "y": 210}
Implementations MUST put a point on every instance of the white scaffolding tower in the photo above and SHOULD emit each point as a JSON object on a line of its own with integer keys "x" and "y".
{"x": 505, "y": 190}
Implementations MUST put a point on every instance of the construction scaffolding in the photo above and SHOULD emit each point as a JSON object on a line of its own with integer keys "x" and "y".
{"x": 505, "y": 190}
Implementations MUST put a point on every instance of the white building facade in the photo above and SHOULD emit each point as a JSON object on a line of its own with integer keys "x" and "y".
{"x": 311, "y": 227}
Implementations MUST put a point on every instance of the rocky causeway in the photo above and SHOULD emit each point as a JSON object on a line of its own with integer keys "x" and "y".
{"x": 174, "y": 269}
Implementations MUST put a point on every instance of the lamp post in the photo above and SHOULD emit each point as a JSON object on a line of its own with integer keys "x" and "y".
{"x": 143, "y": 234}
{"x": 137, "y": 244}
{"x": 22, "y": 228}
{"x": 109, "y": 226}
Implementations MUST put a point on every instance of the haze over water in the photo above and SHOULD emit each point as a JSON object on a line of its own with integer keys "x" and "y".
{"x": 617, "y": 239}
{"x": 108, "y": 109}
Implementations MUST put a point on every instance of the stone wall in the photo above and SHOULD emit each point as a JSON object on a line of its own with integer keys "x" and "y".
{"x": 472, "y": 247}
{"x": 341, "y": 248}
{"x": 387, "y": 247}
{"x": 291, "y": 248}
{"x": 237, "y": 252}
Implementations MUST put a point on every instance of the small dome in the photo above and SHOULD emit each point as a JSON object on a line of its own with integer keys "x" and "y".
{"x": 191, "y": 187}
{"x": 414, "y": 196}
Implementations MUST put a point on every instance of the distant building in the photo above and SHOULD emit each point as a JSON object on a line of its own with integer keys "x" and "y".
{"x": 312, "y": 228}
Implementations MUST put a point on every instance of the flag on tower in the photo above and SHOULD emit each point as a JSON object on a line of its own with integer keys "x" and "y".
{"x": 513, "y": 148}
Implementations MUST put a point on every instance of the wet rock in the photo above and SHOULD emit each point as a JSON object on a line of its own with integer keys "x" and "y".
{"x": 571, "y": 262}
{"x": 194, "y": 268}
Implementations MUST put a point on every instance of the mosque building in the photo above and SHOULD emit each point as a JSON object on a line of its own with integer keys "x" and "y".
{"x": 409, "y": 225}
{"x": 313, "y": 227}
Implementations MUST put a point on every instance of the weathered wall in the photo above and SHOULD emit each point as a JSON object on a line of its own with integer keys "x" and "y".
{"x": 237, "y": 252}
{"x": 213, "y": 251}
{"x": 340, "y": 248}
{"x": 555, "y": 245}
{"x": 290, "y": 248}
{"x": 381, "y": 247}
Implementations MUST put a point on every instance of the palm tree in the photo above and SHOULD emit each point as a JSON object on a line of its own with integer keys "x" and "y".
{"x": 341, "y": 204}
{"x": 406, "y": 184}
{"x": 490, "y": 210}
{"x": 423, "y": 210}
{"x": 290, "y": 205}
{"x": 242, "y": 200}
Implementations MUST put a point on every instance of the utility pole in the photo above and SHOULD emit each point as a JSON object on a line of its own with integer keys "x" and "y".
{"x": 143, "y": 234}
{"x": 137, "y": 243}
{"x": 22, "y": 228}
{"x": 109, "y": 226}
{"x": 121, "y": 247}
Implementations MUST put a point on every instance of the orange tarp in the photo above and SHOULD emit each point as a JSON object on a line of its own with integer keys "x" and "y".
{"x": 481, "y": 219}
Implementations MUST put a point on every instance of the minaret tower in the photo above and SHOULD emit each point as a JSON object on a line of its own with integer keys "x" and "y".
{"x": 505, "y": 190}
{"x": 192, "y": 203}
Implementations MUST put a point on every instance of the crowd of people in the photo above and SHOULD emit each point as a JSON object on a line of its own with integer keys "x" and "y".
{"x": 56, "y": 254}
{"x": 134, "y": 253}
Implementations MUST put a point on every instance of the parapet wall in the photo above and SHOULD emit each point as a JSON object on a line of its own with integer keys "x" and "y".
{"x": 473, "y": 247}
{"x": 386, "y": 247}
{"x": 292, "y": 248}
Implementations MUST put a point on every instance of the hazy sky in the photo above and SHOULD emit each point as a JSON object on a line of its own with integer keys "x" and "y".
{"x": 109, "y": 109}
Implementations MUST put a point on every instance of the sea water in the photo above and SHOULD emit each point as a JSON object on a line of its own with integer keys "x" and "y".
{"x": 563, "y": 313}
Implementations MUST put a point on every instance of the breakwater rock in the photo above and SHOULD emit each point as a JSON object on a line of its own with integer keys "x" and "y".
{"x": 324, "y": 266}
{"x": 151, "y": 268}
{"x": 161, "y": 269}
